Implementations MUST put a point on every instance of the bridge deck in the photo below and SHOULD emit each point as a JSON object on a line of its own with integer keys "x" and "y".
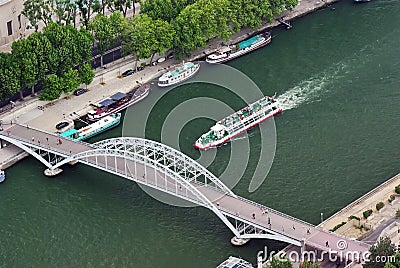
{"x": 235, "y": 207}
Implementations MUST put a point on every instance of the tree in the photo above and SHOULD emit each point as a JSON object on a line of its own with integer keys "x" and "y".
{"x": 52, "y": 88}
{"x": 384, "y": 247}
{"x": 27, "y": 62}
{"x": 86, "y": 8}
{"x": 121, "y": 5}
{"x": 279, "y": 263}
{"x": 42, "y": 49}
{"x": 394, "y": 263}
{"x": 138, "y": 37}
{"x": 118, "y": 23}
{"x": 70, "y": 80}
{"x": 70, "y": 47}
{"x": 188, "y": 26}
{"x": 65, "y": 11}
{"x": 36, "y": 11}
{"x": 103, "y": 34}
{"x": 9, "y": 83}
{"x": 163, "y": 37}
{"x": 166, "y": 10}
{"x": 86, "y": 74}
{"x": 308, "y": 264}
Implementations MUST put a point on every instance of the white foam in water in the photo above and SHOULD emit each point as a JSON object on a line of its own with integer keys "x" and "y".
{"x": 307, "y": 91}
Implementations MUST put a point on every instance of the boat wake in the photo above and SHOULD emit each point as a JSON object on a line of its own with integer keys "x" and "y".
{"x": 309, "y": 90}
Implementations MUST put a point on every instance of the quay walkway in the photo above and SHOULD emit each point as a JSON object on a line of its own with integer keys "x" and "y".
{"x": 168, "y": 170}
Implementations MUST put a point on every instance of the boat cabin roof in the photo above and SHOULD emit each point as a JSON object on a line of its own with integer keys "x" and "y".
{"x": 117, "y": 96}
{"x": 107, "y": 102}
{"x": 217, "y": 127}
{"x": 248, "y": 42}
{"x": 68, "y": 133}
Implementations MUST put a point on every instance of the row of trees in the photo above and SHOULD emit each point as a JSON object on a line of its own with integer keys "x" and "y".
{"x": 59, "y": 58}
{"x": 197, "y": 21}
{"x": 182, "y": 25}
{"x": 66, "y": 11}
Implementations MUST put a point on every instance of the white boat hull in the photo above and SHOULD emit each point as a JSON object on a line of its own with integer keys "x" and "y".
{"x": 177, "y": 81}
{"x": 227, "y": 138}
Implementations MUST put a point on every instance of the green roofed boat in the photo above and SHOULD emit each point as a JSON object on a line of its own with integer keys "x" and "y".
{"x": 93, "y": 129}
{"x": 228, "y": 53}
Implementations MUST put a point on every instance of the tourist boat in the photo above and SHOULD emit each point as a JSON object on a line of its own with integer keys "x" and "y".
{"x": 95, "y": 128}
{"x": 2, "y": 175}
{"x": 178, "y": 74}
{"x": 236, "y": 123}
{"x": 228, "y": 53}
{"x": 361, "y": 1}
{"x": 234, "y": 262}
{"x": 118, "y": 102}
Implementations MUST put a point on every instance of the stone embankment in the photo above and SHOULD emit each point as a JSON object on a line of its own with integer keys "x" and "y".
{"x": 108, "y": 81}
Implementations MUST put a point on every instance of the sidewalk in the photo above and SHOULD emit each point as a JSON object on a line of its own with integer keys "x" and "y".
{"x": 106, "y": 83}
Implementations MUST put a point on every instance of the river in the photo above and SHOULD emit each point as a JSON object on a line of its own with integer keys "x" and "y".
{"x": 338, "y": 76}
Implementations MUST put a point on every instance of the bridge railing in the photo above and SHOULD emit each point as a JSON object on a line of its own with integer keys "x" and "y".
{"x": 268, "y": 209}
{"x": 36, "y": 145}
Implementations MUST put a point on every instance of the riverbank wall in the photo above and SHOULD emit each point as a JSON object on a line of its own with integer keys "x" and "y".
{"x": 10, "y": 155}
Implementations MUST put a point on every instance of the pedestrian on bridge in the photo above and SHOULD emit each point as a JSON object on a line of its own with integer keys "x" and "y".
{"x": 254, "y": 216}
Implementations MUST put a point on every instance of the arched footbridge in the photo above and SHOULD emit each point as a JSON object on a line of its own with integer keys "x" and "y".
{"x": 163, "y": 168}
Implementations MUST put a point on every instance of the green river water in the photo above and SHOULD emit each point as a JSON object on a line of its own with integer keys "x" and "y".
{"x": 338, "y": 76}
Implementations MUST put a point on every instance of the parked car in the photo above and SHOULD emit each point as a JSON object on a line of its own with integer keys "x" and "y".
{"x": 128, "y": 73}
{"x": 79, "y": 91}
{"x": 162, "y": 59}
{"x": 62, "y": 125}
{"x": 140, "y": 68}
{"x": 170, "y": 55}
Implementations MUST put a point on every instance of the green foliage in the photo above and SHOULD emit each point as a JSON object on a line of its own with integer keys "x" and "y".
{"x": 103, "y": 32}
{"x": 59, "y": 51}
{"x": 65, "y": 11}
{"x": 354, "y": 217}
{"x": 85, "y": 8}
{"x": 9, "y": 83}
{"x": 391, "y": 198}
{"x": 384, "y": 247}
{"x": 86, "y": 74}
{"x": 70, "y": 80}
{"x": 27, "y": 63}
{"x": 337, "y": 226}
{"x": 166, "y": 10}
{"x": 121, "y": 5}
{"x": 163, "y": 37}
{"x": 139, "y": 35}
{"x": 367, "y": 213}
{"x": 308, "y": 264}
{"x": 379, "y": 205}
{"x": 393, "y": 262}
{"x": 397, "y": 189}
{"x": 37, "y": 11}
{"x": 107, "y": 31}
{"x": 52, "y": 88}
{"x": 279, "y": 263}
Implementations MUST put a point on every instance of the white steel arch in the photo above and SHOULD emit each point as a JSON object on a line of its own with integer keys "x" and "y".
{"x": 165, "y": 155}
{"x": 172, "y": 172}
